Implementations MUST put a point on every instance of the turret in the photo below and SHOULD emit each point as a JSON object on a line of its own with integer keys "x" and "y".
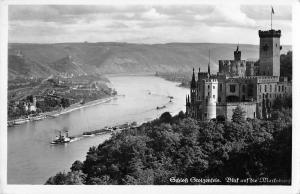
{"x": 193, "y": 88}
{"x": 212, "y": 96}
{"x": 237, "y": 54}
{"x": 193, "y": 83}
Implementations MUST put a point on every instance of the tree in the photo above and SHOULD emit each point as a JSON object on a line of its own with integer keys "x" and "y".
{"x": 65, "y": 102}
{"x": 220, "y": 118}
{"x": 238, "y": 115}
{"x": 76, "y": 166}
{"x": 166, "y": 117}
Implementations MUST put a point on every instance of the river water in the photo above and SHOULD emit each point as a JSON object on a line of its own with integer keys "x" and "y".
{"x": 32, "y": 160}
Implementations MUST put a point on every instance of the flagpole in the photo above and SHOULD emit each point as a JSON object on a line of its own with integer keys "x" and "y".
{"x": 271, "y": 18}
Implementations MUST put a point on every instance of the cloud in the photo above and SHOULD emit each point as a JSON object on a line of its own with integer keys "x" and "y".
{"x": 230, "y": 15}
{"x": 152, "y": 14}
{"x": 117, "y": 25}
{"x": 142, "y": 23}
{"x": 263, "y": 12}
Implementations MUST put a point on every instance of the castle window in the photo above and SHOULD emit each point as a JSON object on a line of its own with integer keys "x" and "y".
{"x": 278, "y": 88}
{"x": 219, "y": 99}
{"x": 250, "y": 90}
{"x": 265, "y": 88}
{"x": 259, "y": 88}
{"x": 208, "y": 86}
{"x": 275, "y": 88}
{"x": 282, "y": 88}
{"x": 213, "y": 87}
{"x": 214, "y": 96}
{"x": 232, "y": 88}
{"x": 220, "y": 87}
{"x": 270, "y": 88}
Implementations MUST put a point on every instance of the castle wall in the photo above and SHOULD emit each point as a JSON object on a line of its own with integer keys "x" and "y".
{"x": 227, "y": 109}
{"x": 232, "y": 67}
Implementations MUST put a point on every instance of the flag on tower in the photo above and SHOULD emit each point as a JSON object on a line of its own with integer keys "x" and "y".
{"x": 272, "y": 12}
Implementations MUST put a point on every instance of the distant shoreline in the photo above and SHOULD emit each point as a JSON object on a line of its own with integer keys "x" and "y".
{"x": 57, "y": 113}
{"x": 129, "y": 74}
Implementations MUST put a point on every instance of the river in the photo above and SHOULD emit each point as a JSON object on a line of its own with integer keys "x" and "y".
{"x": 31, "y": 158}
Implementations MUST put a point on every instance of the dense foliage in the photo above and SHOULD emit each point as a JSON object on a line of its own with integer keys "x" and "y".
{"x": 183, "y": 147}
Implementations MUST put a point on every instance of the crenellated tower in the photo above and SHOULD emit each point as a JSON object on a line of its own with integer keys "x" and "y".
{"x": 269, "y": 52}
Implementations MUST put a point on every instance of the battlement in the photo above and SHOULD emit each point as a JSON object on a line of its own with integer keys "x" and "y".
{"x": 211, "y": 80}
{"x": 267, "y": 79}
{"x": 269, "y": 34}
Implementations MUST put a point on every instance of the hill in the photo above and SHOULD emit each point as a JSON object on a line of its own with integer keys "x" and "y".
{"x": 41, "y": 60}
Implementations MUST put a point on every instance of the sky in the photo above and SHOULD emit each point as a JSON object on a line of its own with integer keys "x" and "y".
{"x": 147, "y": 24}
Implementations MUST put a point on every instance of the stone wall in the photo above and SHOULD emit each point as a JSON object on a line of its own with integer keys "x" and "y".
{"x": 227, "y": 109}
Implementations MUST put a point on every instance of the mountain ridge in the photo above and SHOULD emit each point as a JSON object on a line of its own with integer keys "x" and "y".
{"x": 40, "y": 60}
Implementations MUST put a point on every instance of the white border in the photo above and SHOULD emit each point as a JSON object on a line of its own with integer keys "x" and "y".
{"x": 7, "y": 189}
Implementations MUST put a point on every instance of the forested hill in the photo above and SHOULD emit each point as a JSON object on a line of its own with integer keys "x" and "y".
{"x": 40, "y": 60}
{"x": 181, "y": 150}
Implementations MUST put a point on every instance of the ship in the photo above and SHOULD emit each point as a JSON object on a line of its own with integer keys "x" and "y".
{"x": 61, "y": 139}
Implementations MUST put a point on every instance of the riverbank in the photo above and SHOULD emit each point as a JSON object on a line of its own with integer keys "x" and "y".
{"x": 59, "y": 112}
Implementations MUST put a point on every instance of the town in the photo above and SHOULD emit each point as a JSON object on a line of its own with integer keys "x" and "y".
{"x": 31, "y": 99}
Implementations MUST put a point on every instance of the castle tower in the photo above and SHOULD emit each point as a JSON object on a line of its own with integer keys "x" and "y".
{"x": 212, "y": 96}
{"x": 269, "y": 52}
{"x": 237, "y": 54}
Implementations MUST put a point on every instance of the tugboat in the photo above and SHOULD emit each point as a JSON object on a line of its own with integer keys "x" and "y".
{"x": 61, "y": 139}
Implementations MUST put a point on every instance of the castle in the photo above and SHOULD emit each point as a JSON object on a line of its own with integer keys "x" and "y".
{"x": 251, "y": 85}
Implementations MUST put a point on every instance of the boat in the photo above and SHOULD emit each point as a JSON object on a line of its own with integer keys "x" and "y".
{"x": 87, "y": 134}
{"x": 61, "y": 139}
{"x": 160, "y": 107}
